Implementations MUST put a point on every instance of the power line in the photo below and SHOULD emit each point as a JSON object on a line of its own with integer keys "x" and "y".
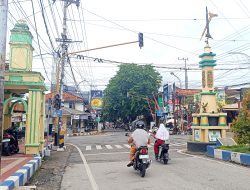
{"x": 46, "y": 27}
{"x": 39, "y": 41}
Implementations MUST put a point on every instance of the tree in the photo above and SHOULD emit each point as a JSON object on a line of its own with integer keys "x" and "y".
{"x": 241, "y": 125}
{"x": 126, "y": 95}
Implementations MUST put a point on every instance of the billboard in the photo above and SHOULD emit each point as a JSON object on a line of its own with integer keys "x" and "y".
{"x": 96, "y": 99}
{"x": 96, "y": 93}
{"x": 96, "y": 103}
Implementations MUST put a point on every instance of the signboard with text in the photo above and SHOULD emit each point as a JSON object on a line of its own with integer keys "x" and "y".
{"x": 197, "y": 135}
{"x": 213, "y": 135}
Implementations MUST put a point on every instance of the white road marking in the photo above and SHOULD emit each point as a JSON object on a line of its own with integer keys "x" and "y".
{"x": 88, "y": 147}
{"x": 109, "y": 147}
{"x": 109, "y": 153}
{"x": 98, "y": 147}
{"x": 106, "y": 153}
{"x": 126, "y": 145}
{"x": 118, "y": 146}
{"x": 178, "y": 144}
{"x": 89, "y": 173}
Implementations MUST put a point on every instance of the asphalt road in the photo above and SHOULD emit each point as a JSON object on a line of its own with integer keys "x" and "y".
{"x": 99, "y": 162}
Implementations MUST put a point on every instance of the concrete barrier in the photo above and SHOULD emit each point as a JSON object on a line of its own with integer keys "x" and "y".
{"x": 226, "y": 155}
{"x": 245, "y": 159}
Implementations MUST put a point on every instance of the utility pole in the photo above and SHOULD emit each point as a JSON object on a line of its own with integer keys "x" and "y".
{"x": 173, "y": 101}
{"x": 3, "y": 33}
{"x": 65, "y": 42}
{"x": 186, "y": 87}
{"x": 186, "y": 76}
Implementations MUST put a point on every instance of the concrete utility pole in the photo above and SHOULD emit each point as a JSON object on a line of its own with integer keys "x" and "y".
{"x": 3, "y": 32}
{"x": 186, "y": 76}
{"x": 65, "y": 42}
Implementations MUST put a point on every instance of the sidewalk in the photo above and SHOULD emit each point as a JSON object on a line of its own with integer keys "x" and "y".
{"x": 10, "y": 164}
{"x": 17, "y": 169}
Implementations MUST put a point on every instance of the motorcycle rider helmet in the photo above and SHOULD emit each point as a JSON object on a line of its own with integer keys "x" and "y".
{"x": 140, "y": 125}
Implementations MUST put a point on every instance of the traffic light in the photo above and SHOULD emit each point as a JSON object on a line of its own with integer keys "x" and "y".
{"x": 140, "y": 35}
{"x": 57, "y": 102}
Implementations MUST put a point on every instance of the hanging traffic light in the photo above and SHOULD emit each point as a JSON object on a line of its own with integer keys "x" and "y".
{"x": 57, "y": 102}
{"x": 140, "y": 35}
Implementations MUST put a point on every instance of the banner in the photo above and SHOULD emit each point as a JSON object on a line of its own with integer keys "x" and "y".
{"x": 165, "y": 94}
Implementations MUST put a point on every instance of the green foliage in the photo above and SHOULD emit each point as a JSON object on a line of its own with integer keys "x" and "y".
{"x": 241, "y": 125}
{"x": 126, "y": 93}
{"x": 237, "y": 148}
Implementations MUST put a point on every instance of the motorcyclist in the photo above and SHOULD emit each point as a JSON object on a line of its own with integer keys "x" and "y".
{"x": 162, "y": 135}
{"x": 138, "y": 138}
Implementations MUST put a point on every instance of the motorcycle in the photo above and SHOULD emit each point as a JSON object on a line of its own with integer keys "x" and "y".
{"x": 142, "y": 161}
{"x": 163, "y": 153}
{"x": 10, "y": 143}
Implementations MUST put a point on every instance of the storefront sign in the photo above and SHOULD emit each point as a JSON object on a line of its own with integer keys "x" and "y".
{"x": 17, "y": 117}
{"x": 84, "y": 117}
{"x": 75, "y": 117}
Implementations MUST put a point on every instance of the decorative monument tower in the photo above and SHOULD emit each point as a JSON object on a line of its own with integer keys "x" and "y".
{"x": 20, "y": 79}
{"x": 208, "y": 123}
{"x": 21, "y": 49}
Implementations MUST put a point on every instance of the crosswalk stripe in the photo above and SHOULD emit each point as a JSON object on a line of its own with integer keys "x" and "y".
{"x": 88, "y": 147}
{"x": 98, "y": 147}
{"x": 109, "y": 147}
{"x": 118, "y": 146}
{"x": 126, "y": 145}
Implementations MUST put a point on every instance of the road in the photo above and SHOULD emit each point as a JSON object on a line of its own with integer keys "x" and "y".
{"x": 99, "y": 162}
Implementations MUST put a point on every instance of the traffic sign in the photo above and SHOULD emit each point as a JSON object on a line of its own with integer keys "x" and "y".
{"x": 57, "y": 113}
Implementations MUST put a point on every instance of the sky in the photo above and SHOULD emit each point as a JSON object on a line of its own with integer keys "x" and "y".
{"x": 172, "y": 32}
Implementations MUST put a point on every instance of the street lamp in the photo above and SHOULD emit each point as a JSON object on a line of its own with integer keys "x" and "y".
{"x": 240, "y": 53}
{"x": 79, "y": 91}
{"x": 177, "y": 78}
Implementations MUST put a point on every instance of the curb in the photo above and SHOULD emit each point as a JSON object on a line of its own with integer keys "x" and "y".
{"x": 21, "y": 176}
{"x": 225, "y": 155}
